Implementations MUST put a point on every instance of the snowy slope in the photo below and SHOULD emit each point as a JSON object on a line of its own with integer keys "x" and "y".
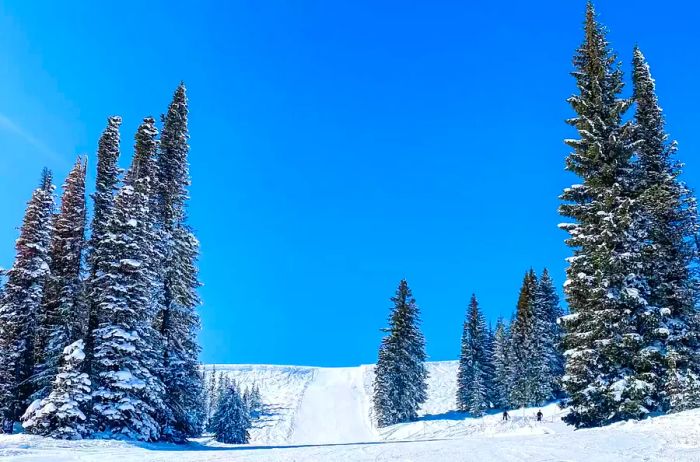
{"x": 324, "y": 414}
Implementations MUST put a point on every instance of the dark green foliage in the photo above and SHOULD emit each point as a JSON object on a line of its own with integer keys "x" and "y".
{"x": 21, "y": 302}
{"x": 475, "y": 371}
{"x": 400, "y": 376}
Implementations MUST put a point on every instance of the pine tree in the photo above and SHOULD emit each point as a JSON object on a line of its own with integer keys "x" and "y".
{"x": 63, "y": 320}
{"x": 62, "y": 413}
{"x": 400, "y": 375}
{"x": 473, "y": 387}
{"x": 178, "y": 320}
{"x": 668, "y": 211}
{"x": 604, "y": 290}
{"x": 526, "y": 360}
{"x": 128, "y": 397}
{"x": 547, "y": 339}
{"x": 106, "y": 185}
{"x": 21, "y": 302}
{"x": 501, "y": 366}
{"x": 231, "y": 420}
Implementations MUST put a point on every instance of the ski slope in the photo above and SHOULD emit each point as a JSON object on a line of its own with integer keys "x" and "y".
{"x": 324, "y": 414}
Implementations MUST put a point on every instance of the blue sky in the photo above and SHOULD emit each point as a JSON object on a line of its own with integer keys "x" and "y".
{"x": 337, "y": 147}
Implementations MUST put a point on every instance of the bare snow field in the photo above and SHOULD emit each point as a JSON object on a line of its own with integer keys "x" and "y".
{"x": 324, "y": 414}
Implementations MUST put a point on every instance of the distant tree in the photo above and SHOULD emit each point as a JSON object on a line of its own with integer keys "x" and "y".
{"x": 231, "y": 421}
{"x": 63, "y": 318}
{"x": 400, "y": 375}
{"x": 525, "y": 359}
{"x": 473, "y": 391}
{"x": 547, "y": 340}
{"x": 21, "y": 301}
{"x": 62, "y": 413}
{"x": 501, "y": 365}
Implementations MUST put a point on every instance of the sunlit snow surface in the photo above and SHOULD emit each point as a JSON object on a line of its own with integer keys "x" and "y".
{"x": 324, "y": 414}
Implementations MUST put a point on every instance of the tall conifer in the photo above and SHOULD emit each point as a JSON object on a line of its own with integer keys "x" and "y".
{"x": 473, "y": 375}
{"x": 400, "y": 376}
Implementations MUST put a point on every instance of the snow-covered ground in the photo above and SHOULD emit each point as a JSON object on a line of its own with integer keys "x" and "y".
{"x": 324, "y": 414}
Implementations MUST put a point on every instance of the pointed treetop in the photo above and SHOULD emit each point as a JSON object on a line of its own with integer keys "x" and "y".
{"x": 46, "y": 179}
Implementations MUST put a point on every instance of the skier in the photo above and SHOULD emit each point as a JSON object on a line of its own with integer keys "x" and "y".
{"x": 505, "y": 415}
{"x": 539, "y": 415}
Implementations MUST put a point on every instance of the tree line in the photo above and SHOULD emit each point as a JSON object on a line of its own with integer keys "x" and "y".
{"x": 630, "y": 345}
{"x": 98, "y": 334}
{"x": 514, "y": 364}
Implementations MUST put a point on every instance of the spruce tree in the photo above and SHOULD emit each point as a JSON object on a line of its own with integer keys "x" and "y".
{"x": 400, "y": 376}
{"x": 63, "y": 320}
{"x": 526, "y": 360}
{"x": 21, "y": 301}
{"x": 62, "y": 413}
{"x": 547, "y": 339}
{"x": 178, "y": 321}
{"x": 501, "y": 366}
{"x": 231, "y": 419}
{"x": 473, "y": 376}
{"x": 106, "y": 185}
{"x": 604, "y": 290}
{"x": 128, "y": 396}
{"x": 668, "y": 211}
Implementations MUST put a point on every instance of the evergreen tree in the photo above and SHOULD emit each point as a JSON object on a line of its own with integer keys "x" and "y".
{"x": 63, "y": 320}
{"x": 668, "y": 211}
{"x": 526, "y": 360}
{"x": 62, "y": 413}
{"x": 128, "y": 398}
{"x": 547, "y": 339}
{"x": 501, "y": 365}
{"x": 21, "y": 302}
{"x": 604, "y": 290}
{"x": 106, "y": 185}
{"x": 178, "y": 321}
{"x": 473, "y": 374}
{"x": 231, "y": 420}
{"x": 400, "y": 375}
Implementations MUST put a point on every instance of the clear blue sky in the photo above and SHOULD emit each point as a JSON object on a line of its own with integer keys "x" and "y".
{"x": 337, "y": 147}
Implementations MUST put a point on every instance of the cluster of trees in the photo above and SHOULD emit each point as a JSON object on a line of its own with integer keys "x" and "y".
{"x": 512, "y": 365}
{"x": 230, "y": 412}
{"x": 632, "y": 338}
{"x": 98, "y": 336}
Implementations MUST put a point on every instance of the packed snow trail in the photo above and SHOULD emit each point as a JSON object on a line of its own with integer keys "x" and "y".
{"x": 334, "y": 409}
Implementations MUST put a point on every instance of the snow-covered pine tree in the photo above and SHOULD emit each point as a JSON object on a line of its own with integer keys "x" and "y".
{"x": 473, "y": 373}
{"x": 128, "y": 394}
{"x": 501, "y": 366}
{"x": 62, "y": 413}
{"x": 178, "y": 321}
{"x": 211, "y": 389}
{"x": 21, "y": 302}
{"x": 231, "y": 419}
{"x": 547, "y": 339}
{"x": 63, "y": 320}
{"x": 668, "y": 211}
{"x": 526, "y": 360}
{"x": 400, "y": 376}
{"x": 106, "y": 185}
{"x": 604, "y": 290}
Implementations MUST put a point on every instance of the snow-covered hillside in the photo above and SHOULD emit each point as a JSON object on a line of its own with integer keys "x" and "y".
{"x": 324, "y": 414}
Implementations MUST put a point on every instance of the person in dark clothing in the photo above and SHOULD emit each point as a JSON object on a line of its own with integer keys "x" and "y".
{"x": 505, "y": 415}
{"x": 539, "y": 416}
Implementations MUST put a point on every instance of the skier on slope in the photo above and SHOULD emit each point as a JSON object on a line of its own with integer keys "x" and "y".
{"x": 505, "y": 415}
{"x": 539, "y": 415}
